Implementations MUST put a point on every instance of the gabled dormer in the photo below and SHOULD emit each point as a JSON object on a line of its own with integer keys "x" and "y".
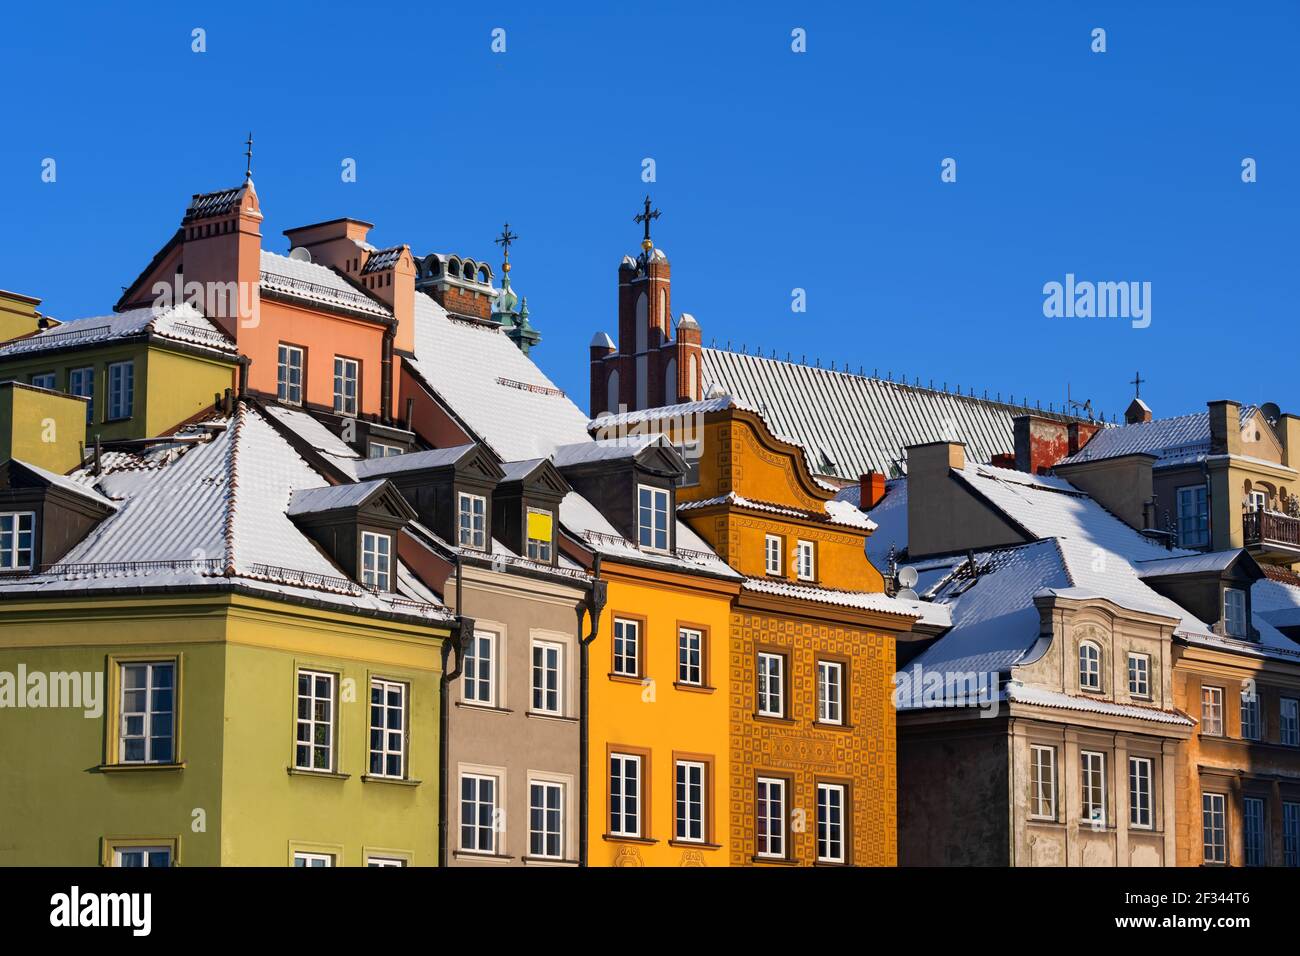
{"x": 356, "y": 525}
{"x": 43, "y": 516}
{"x": 526, "y": 506}
{"x": 633, "y": 482}
{"x": 450, "y": 489}
{"x": 1215, "y": 588}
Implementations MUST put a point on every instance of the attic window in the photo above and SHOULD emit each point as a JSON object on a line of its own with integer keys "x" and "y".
{"x": 1089, "y": 666}
{"x": 1234, "y": 612}
{"x": 541, "y": 534}
{"x": 471, "y": 521}
{"x": 652, "y": 517}
{"x": 376, "y": 559}
{"x": 16, "y": 539}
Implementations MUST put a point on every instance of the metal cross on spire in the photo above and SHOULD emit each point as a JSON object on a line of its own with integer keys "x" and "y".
{"x": 248, "y": 152}
{"x": 1137, "y": 384}
{"x": 646, "y": 217}
{"x": 504, "y": 240}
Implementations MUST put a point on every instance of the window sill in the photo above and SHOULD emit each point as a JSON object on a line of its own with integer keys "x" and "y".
{"x": 625, "y": 678}
{"x": 614, "y": 838}
{"x": 137, "y": 767}
{"x": 833, "y": 864}
{"x": 694, "y": 688}
{"x": 546, "y": 861}
{"x": 772, "y": 861}
{"x": 542, "y": 715}
{"x": 695, "y": 845}
{"x": 485, "y": 857}
{"x": 773, "y": 719}
{"x": 830, "y": 725}
{"x": 399, "y": 781}
{"x": 486, "y": 708}
{"x": 324, "y": 774}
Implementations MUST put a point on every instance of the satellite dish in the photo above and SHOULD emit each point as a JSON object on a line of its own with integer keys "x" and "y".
{"x": 299, "y": 254}
{"x": 907, "y": 594}
{"x": 907, "y": 577}
{"x": 1271, "y": 412}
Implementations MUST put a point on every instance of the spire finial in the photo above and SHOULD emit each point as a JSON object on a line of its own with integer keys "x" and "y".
{"x": 646, "y": 217}
{"x": 248, "y": 152}
{"x": 504, "y": 240}
{"x": 1137, "y": 384}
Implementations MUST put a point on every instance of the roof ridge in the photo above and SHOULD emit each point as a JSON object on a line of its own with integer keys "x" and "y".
{"x": 232, "y": 478}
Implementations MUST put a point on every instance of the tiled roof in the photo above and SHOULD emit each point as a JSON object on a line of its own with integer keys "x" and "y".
{"x": 859, "y": 423}
{"x": 315, "y": 283}
{"x": 925, "y": 612}
{"x": 382, "y": 259}
{"x": 181, "y": 323}
{"x": 220, "y": 203}
{"x": 1030, "y": 694}
{"x": 835, "y": 512}
{"x": 327, "y": 444}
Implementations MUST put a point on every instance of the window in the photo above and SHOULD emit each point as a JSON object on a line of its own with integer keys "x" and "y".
{"x": 387, "y": 729}
{"x": 1093, "y": 784}
{"x": 1139, "y": 792}
{"x": 313, "y": 859}
{"x": 1252, "y": 819}
{"x": 627, "y": 648}
{"x": 830, "y": 692}
{"x": 771, "y": 685}
{"x": 546, "y": 677}
{"x": 1212, "y": 711}
{"x": 689, "y": 800}
{"x": 652, "y": 517}
{"x": 1139, "y": 675}
{"x": 148, "y": 714}
{"x": 1289, "y": 731}
{"x": 346, "y": 371}
{"x": 142, "y": 856}
{"x": 624, "y": 795}
{"x": 546, "y": 820}
{"x": 480, "y": 682}
{"x": 472, "y": 521}
{"x": 121, "y": 390}
{"x": 1249, "y": 713}
{"x": 384, "y": 861}
{"x": 16, "y": 539}
{"x": 1291, "y": 834}
{"x": 288, "y": 375}
{"x": 1042, "y": 782}
{"x": 1256, "y": 501}
{"x": 1234, "y": 612}
{"x": 375, "y": 559}
{"x": 772, "y": 554}
{"x": 378, "y": 449}
{"x": 830, "y": 823}
{"x": 81, "y": 381}
{"x": 315, "y": 745}
{"x": 804, "y": 565}
{"x": 45, "y": 380}
{"x": 770, "y": 818}
{"x": 1213, "y": 828}
{"x": 1089, "y": 666}
{"x": 478, "y": 813}
{"x": 541, "y": 535}
{"x": 690, "y": 656}
{"x": 1193, "y": 517}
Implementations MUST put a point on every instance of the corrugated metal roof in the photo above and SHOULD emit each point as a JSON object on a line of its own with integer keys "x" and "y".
{"x": 859, "y": 423}
{"x": 1164, "y": 438}
{"x": 411, "y": 461}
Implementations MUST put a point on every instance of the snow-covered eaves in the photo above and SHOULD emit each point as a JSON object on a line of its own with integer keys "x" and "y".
{"x": 922, "y": 612}
{"x": 836, "y": 512}
{"x": 412, "y": 461}
{"x": 1209, "y": 561}
{"x": 314, "y": 283}
{"x": 1042, "y": 697}
{"x": 1166, "y": 438}
{"x": 182, "y": 323}
{"x": 67, "y": 484}
{"x": 607, "y": 449}
{"x": 304, "y": 501}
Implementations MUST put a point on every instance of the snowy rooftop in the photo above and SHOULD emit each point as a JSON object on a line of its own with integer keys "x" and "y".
{"x": 317, "y": 284}
{"x": 182, "y": 323}
{"x": 925, "y": 612}
{"x": 835, "y": 512}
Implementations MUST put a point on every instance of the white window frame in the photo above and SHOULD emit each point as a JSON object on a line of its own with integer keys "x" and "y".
{"x": 120, "y": 849}
{"x": 769, "y": 826}
{"x": 1211, "y": 710}
{"x": 1289, "y": 724}
{"x": 380, "y": 449}
{"x": 627, "y": 633}
{"x": 1089, "y": 666}
{"x": 1042, "y": 782}
{"x": 619, "y": 778}
{"x": 536, "y": 549}
{"x": 347, "y": 377}
{"x": 150, "y": 714}
{"x": 475, "y": 828}
{"x": 1141, "y": 793}
{"x": 471, "y": 521}
{"x": 805, "y": 558}
{"x": 648, "y": 518}
{"x": 81, "y": 382}
{"x": 12, "y": 534}
{"x": 121, "y": 390}
{"x": 1193, "y": 509}
{"x": 1252, "y": 723}
{"x": 393, "y": 740}
{"x": 289, "y": 359}
{"x": 1254, "y": 831}
{"x": 690, "y": 801}
{"x": 1290, "y": 833}
{"x": 831, "y": 833}
{"x": 384, "y": 861}
{"x": 312, "y": 860}
{"x": 311, "y": 722}
{"x": 1234, "y": 613}
{"x": 690, "y": 644}
{"x": 550, "y": 690}
{"x": 1214, "y": 827}
{"x": 479, "y": 676}
{"x": 1092, "y": 777}
{"x": 830, "y": 708}
{"x": 771, "y": 685}
{"x": 377, "y": 560}
{"x": 46, "y": 380}
{"x": 772, "y": 548}
{"x": 547, "y": 788}
{"x": 1139, "y": 678}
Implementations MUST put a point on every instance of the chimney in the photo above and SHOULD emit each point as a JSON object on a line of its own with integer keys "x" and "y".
{"x": 460, "y": 285}
{"x": 1040, "y": 443}
{"x": 686, "y": 364}
{"x": 1288, "y": 432}
{"x": 338, "y": 244}
{"x": 604, "y": 377}
{"x": 221, "y": 250}
{"x": 1137, "y": 413}
{"x": 1225, "y": 427}
{"x": 871, "y": 488}
{"x": 1080, "y": 433}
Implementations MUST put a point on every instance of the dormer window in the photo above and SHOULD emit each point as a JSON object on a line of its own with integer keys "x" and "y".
{"x": 17, "y": 533}
{"x": 471, "y": 511}
{"x": 376, "y": 560}
{"x": 541, "y": 535}
{"x": 378, "y": 449}
{"x": 652, "y": 517}
{"x": 1089, "y": 666}
{"x": 1234, "y": 612}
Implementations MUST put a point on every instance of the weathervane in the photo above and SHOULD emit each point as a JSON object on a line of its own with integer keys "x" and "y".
{"x": 248, "y": 168}
{"x": 646, "y": 217}
{"x": 504, "y": 241}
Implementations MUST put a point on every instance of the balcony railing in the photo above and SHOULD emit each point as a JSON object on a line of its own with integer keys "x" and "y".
{"x": 1262, "y": 528}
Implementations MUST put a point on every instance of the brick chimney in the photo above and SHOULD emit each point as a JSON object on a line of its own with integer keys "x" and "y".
{"x": 684, "y": 374}
{"x": 871, "y": 488}
{"x": 1040, "y": 443}
{"x": 1225, "y": 427}
{"x": 604, "y": 375}
{"x": 221, "y": 250}
{"x": 1080, "y": 433}
{"x": 459, "y": 284}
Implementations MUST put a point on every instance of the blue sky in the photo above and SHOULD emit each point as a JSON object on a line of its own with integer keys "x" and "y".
{"x": 775, "y": 170}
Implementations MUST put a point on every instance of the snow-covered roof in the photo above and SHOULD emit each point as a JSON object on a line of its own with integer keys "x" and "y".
{"x": 316, "y": 283}
{"x": 925, "y": 612}
{"x": 859, "y": 423}
{"x": 835, "y": 512}
{"x": 67, "y": 484}
{"x": 1165, "y": 438}
{"x": 181, "y": 323}
{"x": 209, "y": 509}
{"x": 1032, "y": 694}
{"x": 329, "y": 445}
{"x": 1196, "y": 563}
{"x": 306, "y": 501}
{"x": 411, "y": 461}
{"x": 606, "y": 449}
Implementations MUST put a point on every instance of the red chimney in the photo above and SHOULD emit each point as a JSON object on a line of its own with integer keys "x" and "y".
{"x": 1080, "y": 433}
{"x": 871, "y": 488}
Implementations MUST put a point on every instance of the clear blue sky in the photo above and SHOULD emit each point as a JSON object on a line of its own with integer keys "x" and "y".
{"x": 775, "y": 170}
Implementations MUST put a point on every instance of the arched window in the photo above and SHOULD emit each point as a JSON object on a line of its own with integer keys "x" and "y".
{"x": 670, "y": 382}
{"x": 483, "y": 274}
{"x": 611, "y": 393}
{"x": 469, "y": 270}
{"x": 1089, "y": 666}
